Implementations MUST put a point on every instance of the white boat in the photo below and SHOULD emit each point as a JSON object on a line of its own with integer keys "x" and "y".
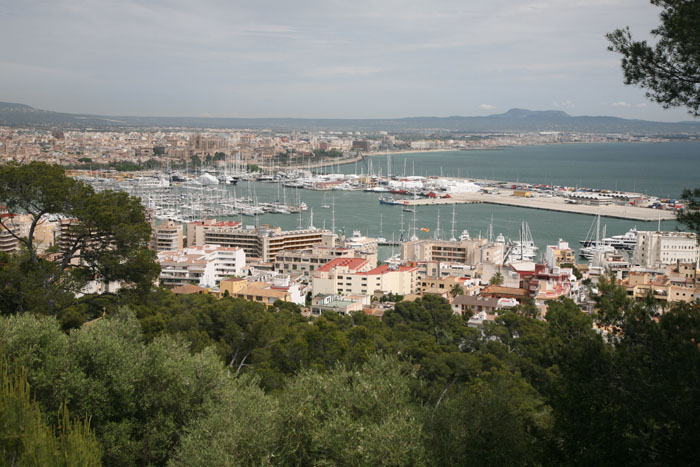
{"x": 593, "y": 244}
{"x": 523, "y": 249}
{"x": 208, "y": 179}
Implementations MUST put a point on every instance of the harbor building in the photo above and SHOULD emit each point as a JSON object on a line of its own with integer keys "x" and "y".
{"x": 664, "y": 248}
{"x": 204, "y": 266}
{"x": 264, "y": 242}
{"x": 167, "y": 237}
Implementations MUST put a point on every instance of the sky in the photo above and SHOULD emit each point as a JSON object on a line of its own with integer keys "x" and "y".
{"x": 321, "y": 59}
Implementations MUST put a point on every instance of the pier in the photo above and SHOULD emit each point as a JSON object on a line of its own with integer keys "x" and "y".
{"x": 549, "y": 204}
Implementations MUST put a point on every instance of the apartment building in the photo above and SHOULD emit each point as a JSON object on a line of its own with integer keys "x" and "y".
{"x": 167, "y": 237}
{"x": 470, "y": 252}
{"x": 664, "y": 248}
{"x": 204, "y": 266}
{"x": 264, "y": 242}
{"x": 355, "y": 276}
{"x": 8, "y": 234}
{"x": 664, "y": 288}
{"x": 561, "y": 253}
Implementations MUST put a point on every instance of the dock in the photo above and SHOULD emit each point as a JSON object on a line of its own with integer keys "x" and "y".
{"x": 553, "y": 203}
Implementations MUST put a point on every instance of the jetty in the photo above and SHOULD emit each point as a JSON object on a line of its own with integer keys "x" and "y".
{"x": 549, "y": 203}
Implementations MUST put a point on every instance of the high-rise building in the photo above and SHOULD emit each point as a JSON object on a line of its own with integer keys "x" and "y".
{"x": 167, "y": 237}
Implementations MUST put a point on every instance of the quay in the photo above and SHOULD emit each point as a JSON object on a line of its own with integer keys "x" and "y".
{"x": 553, "y": 203}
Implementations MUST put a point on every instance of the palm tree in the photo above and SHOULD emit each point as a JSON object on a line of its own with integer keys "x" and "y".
{"x": 456, "y": 290}
{"x": 496, "y": 279}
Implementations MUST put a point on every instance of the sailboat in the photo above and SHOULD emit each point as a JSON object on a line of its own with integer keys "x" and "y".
{"x": 324, "y": 202}
{"x": 595, "y": 244}
{"x": 523, "y": 249}
{"x": 381, "y": 239}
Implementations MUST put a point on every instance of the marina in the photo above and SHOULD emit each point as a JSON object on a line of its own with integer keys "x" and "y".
{"x": 352, "y": 196}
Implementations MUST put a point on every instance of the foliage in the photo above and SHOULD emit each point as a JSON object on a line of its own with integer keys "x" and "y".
{"x": 670, "y": 69}
{"x": 125, "y": 166}
{"x": 26, "y": 440}
{"x": 139, "y": 396}
{"x": 456, "y": 290}
{"x": 690, "y": 216}
{"x": 362, "y": 417}
{"x": 497, "y": 419}
{"x": 574, "y": 269}
{"x": 229, "y": 382}
{"x": 242, "y": 428}
{"x": 332, "y": 153}
{"x": 108, "y": 240}
{"x": 496, "y": 279}
{"x": 631, "y": 401}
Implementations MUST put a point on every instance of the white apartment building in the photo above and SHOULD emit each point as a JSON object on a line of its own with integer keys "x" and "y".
{"x": 355, "y": 276}
{"x": 204, "y": 266}
{"x": 663, "y": 248}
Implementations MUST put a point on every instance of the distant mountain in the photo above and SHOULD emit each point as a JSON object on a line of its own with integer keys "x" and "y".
{"x": 513, "y": 120}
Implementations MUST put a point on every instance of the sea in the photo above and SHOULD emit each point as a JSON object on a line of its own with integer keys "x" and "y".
{"x": 660, "y": 169}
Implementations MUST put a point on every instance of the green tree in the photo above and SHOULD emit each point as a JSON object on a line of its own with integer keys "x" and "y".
{"x": 496, "y": 279}
{"x": 670, "y": 69}
{"x": 26, "y": 440}
{"x": 348, "y": 417}
{"x": 139, "y": 396}
{"x": 243, "y": 428}
{"x": 108, "y": 238}
{"x": 456, "y": 290}
{"x": 690, "y": 216}
{"x": 496, "y": 420}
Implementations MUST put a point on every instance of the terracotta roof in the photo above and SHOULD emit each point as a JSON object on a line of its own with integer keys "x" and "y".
{"x": 188, "y": 289}
{"x": 500, "y": 290}
{"x": 350, "y": 263}
{"x": 233, "y": 279}
{"x": 383, "y": 269}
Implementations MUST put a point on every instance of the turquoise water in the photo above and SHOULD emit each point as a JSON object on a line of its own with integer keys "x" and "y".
{"x": 663, "y": 169}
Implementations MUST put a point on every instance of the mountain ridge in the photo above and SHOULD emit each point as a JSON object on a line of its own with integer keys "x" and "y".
{"x": 515, "y": 119}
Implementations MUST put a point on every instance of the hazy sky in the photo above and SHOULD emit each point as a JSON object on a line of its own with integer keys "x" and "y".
{"x": 325, "y": 58}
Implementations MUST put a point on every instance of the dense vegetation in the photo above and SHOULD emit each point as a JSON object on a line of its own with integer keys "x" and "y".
{"x": 191, "y": 380}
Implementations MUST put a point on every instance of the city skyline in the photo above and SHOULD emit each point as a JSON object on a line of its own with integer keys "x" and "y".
{"x": 322, "y": 59}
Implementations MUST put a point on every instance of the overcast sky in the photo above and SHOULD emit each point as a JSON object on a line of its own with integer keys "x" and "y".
{"x": 325, "y": 58}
